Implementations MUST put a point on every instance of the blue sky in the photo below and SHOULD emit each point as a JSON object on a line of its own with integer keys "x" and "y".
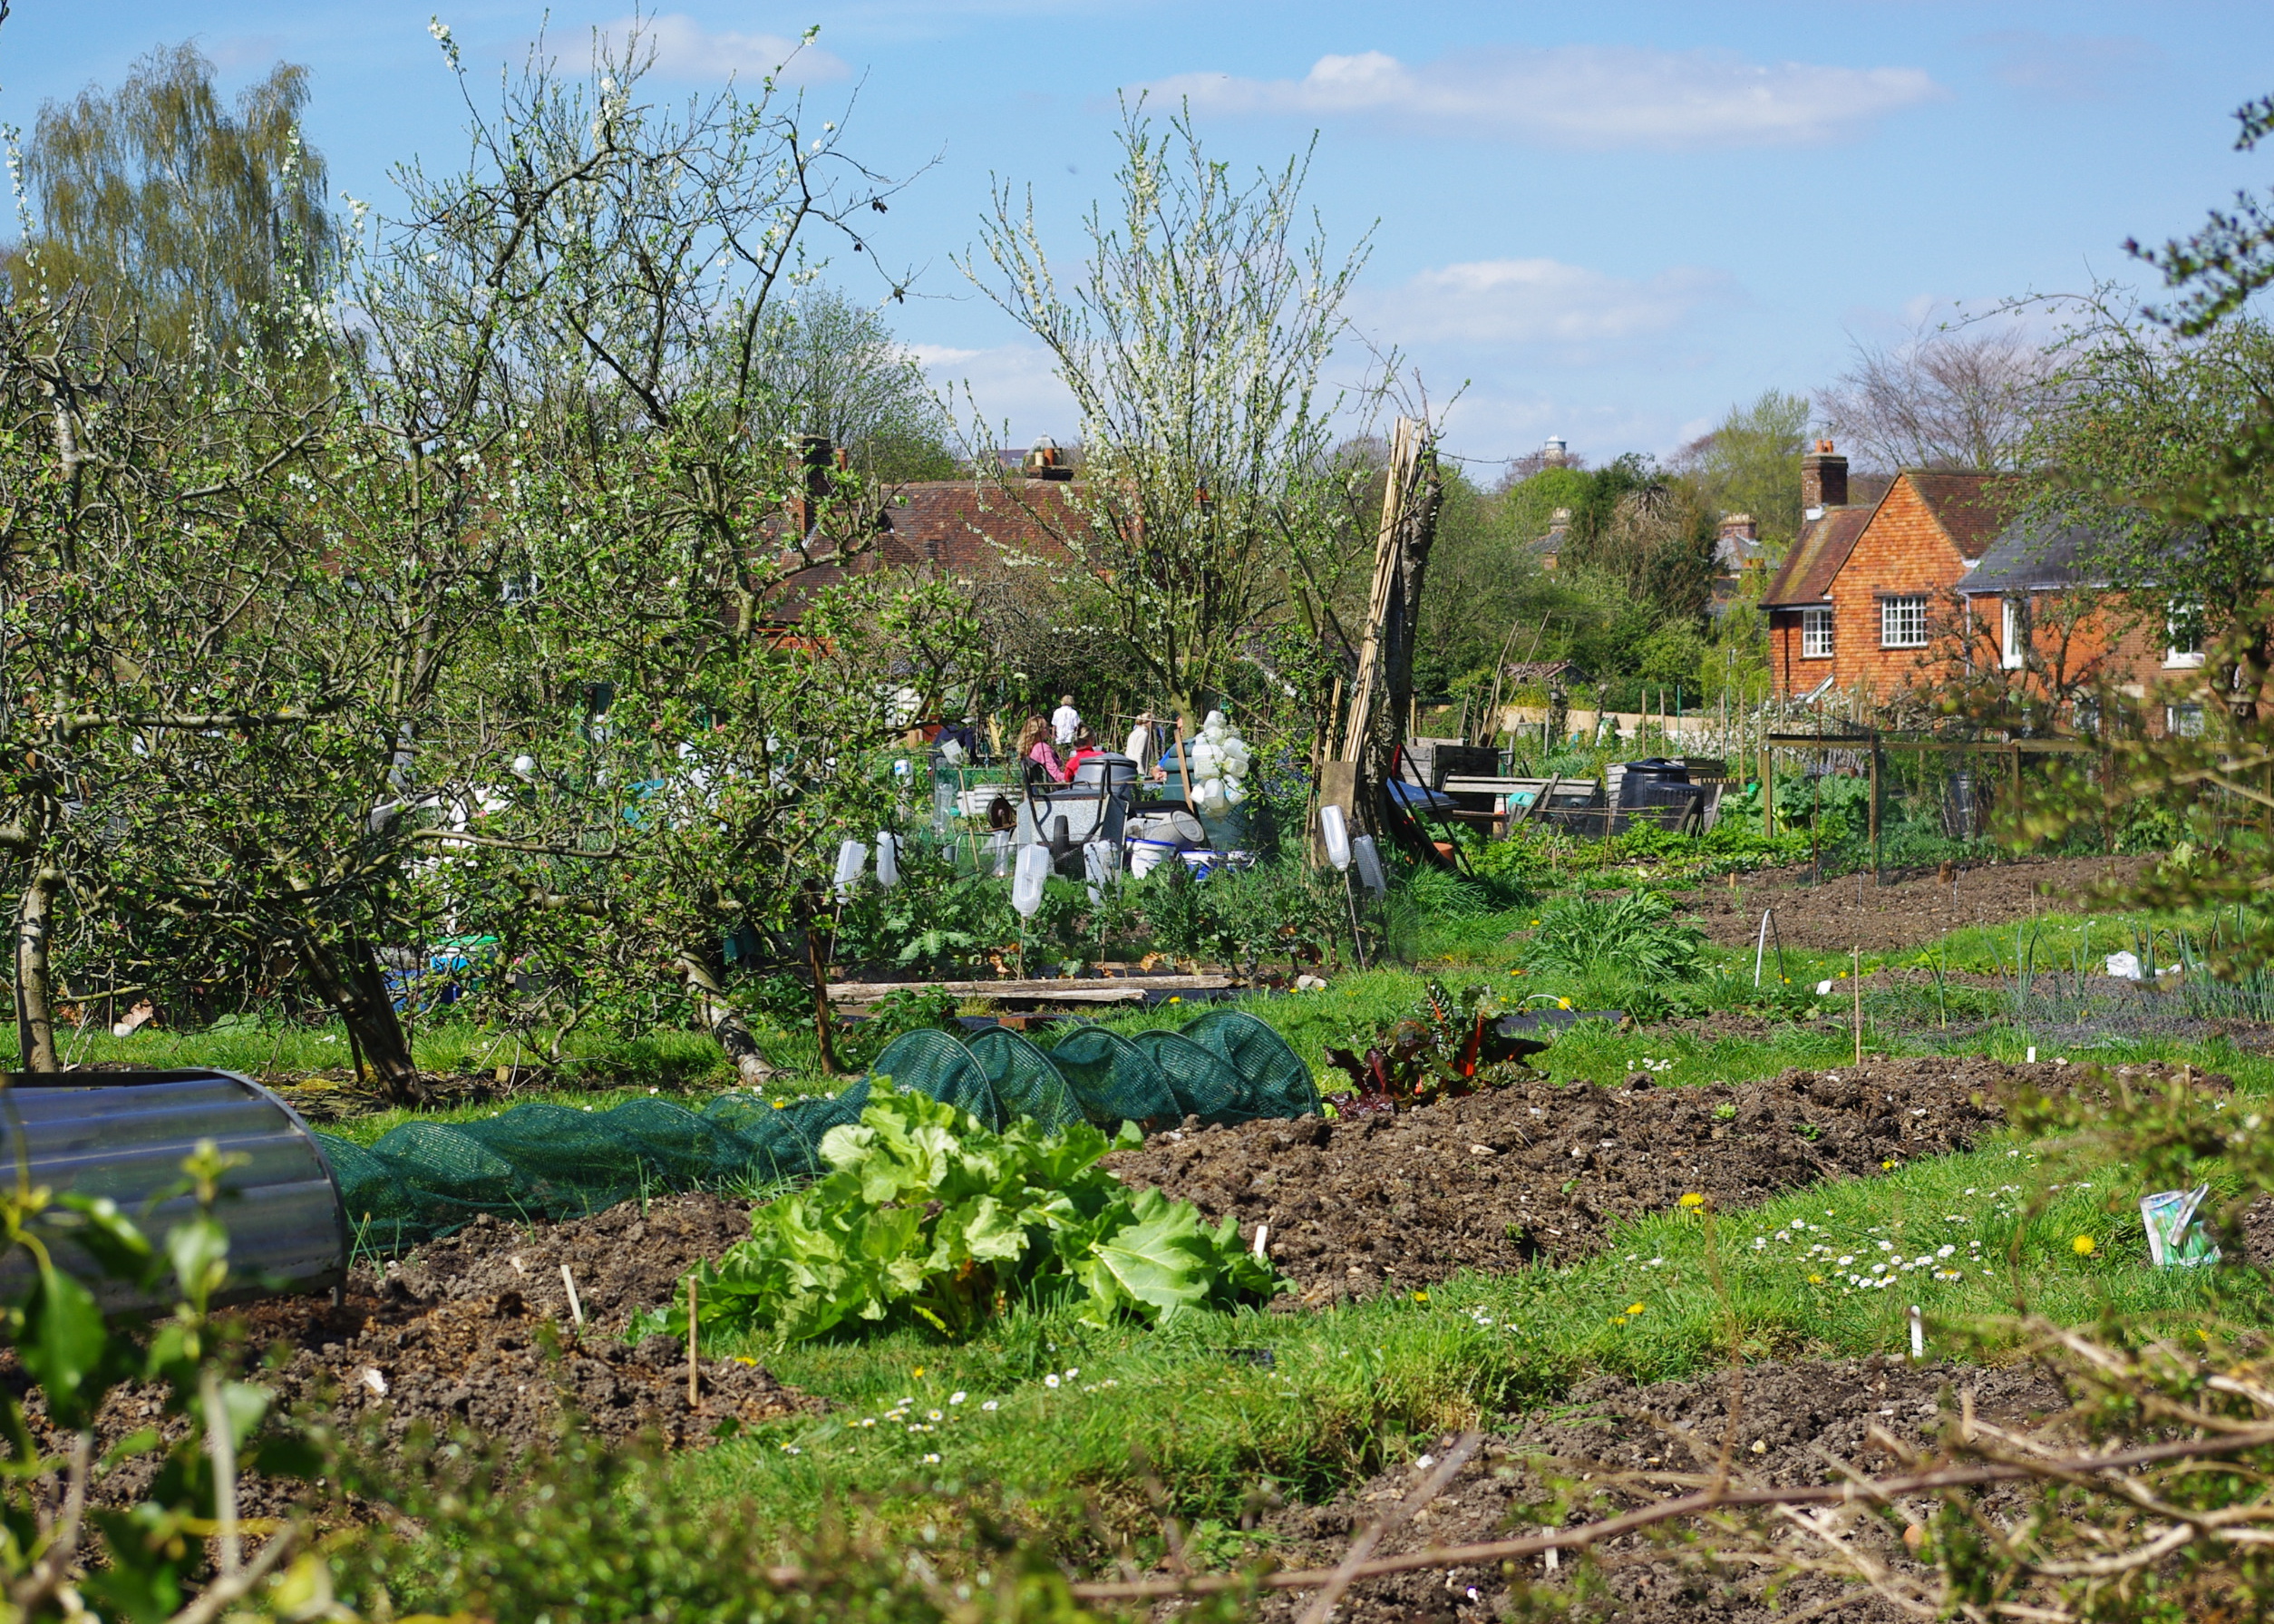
{"x": 1609, "y": 221}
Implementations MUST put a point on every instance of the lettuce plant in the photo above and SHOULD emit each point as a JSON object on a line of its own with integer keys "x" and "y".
{"x": 926, "y": 1215}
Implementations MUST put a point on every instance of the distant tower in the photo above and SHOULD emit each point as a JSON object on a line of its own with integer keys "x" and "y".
{"x": 1552, "y": 455}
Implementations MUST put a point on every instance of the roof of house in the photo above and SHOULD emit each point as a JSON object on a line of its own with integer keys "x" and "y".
{"x": 1806, "y": 576}
{"x": 2037, "y": 556}
{"x": 1969, "y": 506}
{"x": 973, "y": 529}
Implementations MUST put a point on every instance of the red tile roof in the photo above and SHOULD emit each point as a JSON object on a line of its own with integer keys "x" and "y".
{"x": 972, "y": 528}
{"x": 1971, "y": 508}
{"x": 1806, "y": 576}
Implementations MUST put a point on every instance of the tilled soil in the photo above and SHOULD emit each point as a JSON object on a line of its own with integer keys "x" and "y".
{"x": 1789, "y": 1417}
{"x": 1913, "y": 908}
{"x": 474, "y": 1332}
{"x": 1532, "y": 1169}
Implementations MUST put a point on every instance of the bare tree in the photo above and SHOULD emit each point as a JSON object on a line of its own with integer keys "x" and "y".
{"x": 1960, "y": 399}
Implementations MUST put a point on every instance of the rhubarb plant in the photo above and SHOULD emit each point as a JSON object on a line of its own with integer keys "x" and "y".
{"x": 928, "y": 1216}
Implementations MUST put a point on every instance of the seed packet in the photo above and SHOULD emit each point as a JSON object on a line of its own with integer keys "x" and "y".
{"x": 2176, "y": 1236}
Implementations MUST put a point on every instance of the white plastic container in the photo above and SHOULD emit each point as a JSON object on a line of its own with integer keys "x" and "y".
{"x": 1146, "y": 855}
{"x": 1369, "y": 863}
{"x": 887, "y": 860}
{"x": 852, "y": 858}
{"x": 1334, "y": 834}
{"x": 1027, "y": 884}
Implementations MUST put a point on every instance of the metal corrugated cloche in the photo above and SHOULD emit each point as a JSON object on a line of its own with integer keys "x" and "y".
{"x": 125, "y": 1137}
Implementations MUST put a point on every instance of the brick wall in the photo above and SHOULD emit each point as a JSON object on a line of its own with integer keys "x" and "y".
{"x": 1903, "y": 551}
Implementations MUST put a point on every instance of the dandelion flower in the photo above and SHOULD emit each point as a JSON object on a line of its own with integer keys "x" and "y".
{"x": 1420, "y": 1297}
{"x": 2083, "y": 1246}
{"x": 1633, "y": 1309}
{"x": 1815, "y": 1280}
{"x": 919, "y": 1373}
{"x": 1693, "y": 1200}
{"x": 1887, "y": 1167}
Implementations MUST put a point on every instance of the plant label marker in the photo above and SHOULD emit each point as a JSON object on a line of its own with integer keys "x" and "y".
{"x": 693, "y": 1393}
{"x": 576, "y": 1308}
{"x": 1263, "y": 1233}
{"x": 1855, "y": 974}
{"x": 1918, "y": 1334}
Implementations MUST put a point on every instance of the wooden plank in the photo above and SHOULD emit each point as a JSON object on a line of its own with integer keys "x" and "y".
{"x": 1406, "y": 449}
{"x": 1094, "y": 990}
{"x": 1793, "y": 741}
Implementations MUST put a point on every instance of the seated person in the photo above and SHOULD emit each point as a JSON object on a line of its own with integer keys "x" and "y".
{"x": 1036, "y": 754}
{"x": 1084, "y": 747}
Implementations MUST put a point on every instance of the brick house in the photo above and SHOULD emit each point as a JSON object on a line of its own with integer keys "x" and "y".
{"x": 1855, "y": 607}
{"x": 2037, "y": 607}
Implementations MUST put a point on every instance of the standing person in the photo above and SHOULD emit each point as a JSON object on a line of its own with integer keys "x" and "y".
{"x": 1035, "y": 750}
{"x": 1065, "y": 721}
{"x": 1144, "y": 747}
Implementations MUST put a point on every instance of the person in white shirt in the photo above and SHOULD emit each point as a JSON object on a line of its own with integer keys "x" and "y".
{"x": 1064, "y": 720}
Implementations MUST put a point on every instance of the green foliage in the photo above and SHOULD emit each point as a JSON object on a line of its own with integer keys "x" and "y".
{"x": 146, "y": 1560}
{"x": 1749, "y": 462}
{"x": 928, "y": 1217}
{"x": 200, "y": 226}
{"x": 1633, "y": 936}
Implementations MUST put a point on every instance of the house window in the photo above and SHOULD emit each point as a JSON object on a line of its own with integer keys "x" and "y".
{"x": 1902, "y": 623}
{"x": 2183, "y": 628}
{"x": 1816, "y": 634}
{"x": 2016, "y": 643}
{"x": 2183, "y": 720}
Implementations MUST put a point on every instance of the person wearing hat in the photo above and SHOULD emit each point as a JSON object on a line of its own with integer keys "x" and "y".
{"x": 1142, "y": 750}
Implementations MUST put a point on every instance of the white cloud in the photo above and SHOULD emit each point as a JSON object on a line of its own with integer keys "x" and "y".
{"x": 1013, "y": 382}
{"x": 1537, "y": 303}
{"x": 1581, "y": 95}
{"x": 685, "y": 49}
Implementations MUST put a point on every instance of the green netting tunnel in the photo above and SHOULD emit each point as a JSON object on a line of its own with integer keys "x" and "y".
{"x": 553, "y": 1161}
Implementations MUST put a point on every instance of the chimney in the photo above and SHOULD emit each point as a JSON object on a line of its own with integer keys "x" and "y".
{"x": 1824, "y": 481}
{"x": 816, "y": 458}
{"x": 1739, "y": 527}
{"x": 1552, "y": 455}
{"x": 1044, "y": 461}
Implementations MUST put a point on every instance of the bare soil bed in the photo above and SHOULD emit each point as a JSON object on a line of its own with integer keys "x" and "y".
{"x": 1913, "y": 908}
{"x": 1532, "y": 1169}
{"x": 1789, "y": 1416}
{"x": 474, "y": 1331}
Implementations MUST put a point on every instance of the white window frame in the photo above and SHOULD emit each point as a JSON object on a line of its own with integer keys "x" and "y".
{"x": 2183, "y": 720}
{"x": 2014, "y": 637}
{"x": 1817, "y": 636}
{"x": 1892, "y": 610}
{"x": 2190, "y": 657}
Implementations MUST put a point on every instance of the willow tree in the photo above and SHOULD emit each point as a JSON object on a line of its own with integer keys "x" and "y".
{"x": 1195, "y": 342}
{"x": 199, "y": 223}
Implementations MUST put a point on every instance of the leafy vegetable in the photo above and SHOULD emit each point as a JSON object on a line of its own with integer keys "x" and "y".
{"x": 928, "y": 1215}
{"x": 1445, "y": 1049}
{"x": 1633, "y": 936}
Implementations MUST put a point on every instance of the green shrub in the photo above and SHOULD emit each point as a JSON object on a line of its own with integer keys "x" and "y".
{"x": 928, "y": 1217}
{"x": 1632, "y": 937}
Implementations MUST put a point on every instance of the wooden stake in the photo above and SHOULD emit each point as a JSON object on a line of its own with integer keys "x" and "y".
{"x": 693, "y": 1392}
{"x": 1856, "y": 974}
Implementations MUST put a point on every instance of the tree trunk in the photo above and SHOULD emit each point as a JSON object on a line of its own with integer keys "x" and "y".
{"x": 348, "y": 977}
{"x": 817, "y": 955}
{"x": 720, "y": 1020}
{"x": 35, "y": 991}
{"x": 1401, "y": 626}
